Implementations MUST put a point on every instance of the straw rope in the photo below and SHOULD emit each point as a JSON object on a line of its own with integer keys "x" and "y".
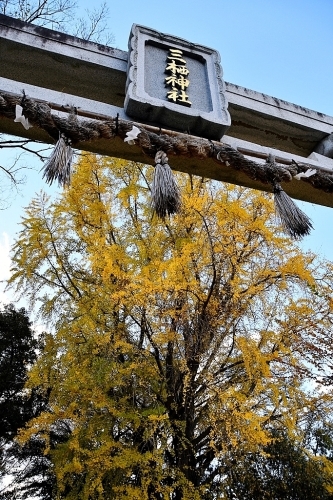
{"x": 78, "y": 129}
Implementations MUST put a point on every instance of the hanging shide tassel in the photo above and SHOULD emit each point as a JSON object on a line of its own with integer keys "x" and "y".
{"x": 58, "y": 166}
{"x": 295, "y": 222}
{"x": 165, "y": 193}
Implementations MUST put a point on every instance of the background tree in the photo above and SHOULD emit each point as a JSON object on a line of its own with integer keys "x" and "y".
{"x": 18, "y": 352}
{"x": 28, "y": 465}
{"x": 283, "y": 471}
{"x": 181, "y": 345}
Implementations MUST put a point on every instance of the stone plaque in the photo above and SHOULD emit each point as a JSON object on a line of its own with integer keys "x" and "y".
{"x": 175, "y": 84}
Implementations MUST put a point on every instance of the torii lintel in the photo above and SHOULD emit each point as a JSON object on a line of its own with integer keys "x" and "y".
{"x": 64, "y": 71}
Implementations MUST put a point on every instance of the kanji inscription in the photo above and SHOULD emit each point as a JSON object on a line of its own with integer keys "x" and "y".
{"x": 177, "y": 77}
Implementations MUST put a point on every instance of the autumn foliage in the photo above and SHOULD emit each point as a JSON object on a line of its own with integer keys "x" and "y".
{"x": 180, "y": 347}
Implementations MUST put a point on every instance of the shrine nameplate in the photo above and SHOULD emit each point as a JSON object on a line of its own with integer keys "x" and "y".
{"x": 175, "y": 84}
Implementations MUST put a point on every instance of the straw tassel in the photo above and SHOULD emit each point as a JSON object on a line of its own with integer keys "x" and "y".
{"x": 58, "y": 166}
{"x": 295, "y": 222}
{"x": 165, "y": 193}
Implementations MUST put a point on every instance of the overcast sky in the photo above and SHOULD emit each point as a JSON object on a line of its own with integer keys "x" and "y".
{"x": 283, "y": 48}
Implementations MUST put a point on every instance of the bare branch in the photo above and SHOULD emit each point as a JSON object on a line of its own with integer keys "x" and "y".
{"x": 94, "y": 26}
{"x": 51, "y": 13}
{"x": 60, "y": 15}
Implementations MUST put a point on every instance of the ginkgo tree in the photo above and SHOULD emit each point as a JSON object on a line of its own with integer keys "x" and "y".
{"x": 180, "y": 345}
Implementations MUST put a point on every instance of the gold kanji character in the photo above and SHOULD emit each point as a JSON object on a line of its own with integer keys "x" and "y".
{"x": 171, "y": 80}
{"x": 172, "y": 66}
{"x": 176, "y": 55}
{"x": 174, "y": 81}
{"x": 179, "y": 59}
{"x": 173, "y": 94}
{"x": 182, "y": 70}
{"x": 177, "y": 52}
{"x": 182, "y": 82}
{"x": 175, "y": 69}
{"x": 182, "y": 97}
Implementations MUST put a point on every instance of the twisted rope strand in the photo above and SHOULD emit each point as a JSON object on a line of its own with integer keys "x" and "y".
{"x": 172, "y": 143}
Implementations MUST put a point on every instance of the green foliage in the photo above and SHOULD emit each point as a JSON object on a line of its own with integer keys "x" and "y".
{"x": 180, "y": 345}
{"x": 283, "y": 471}
{"x": 17, "y": 351}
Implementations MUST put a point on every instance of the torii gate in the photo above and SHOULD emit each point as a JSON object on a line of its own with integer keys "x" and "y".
{"x": 64, "y": 71}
